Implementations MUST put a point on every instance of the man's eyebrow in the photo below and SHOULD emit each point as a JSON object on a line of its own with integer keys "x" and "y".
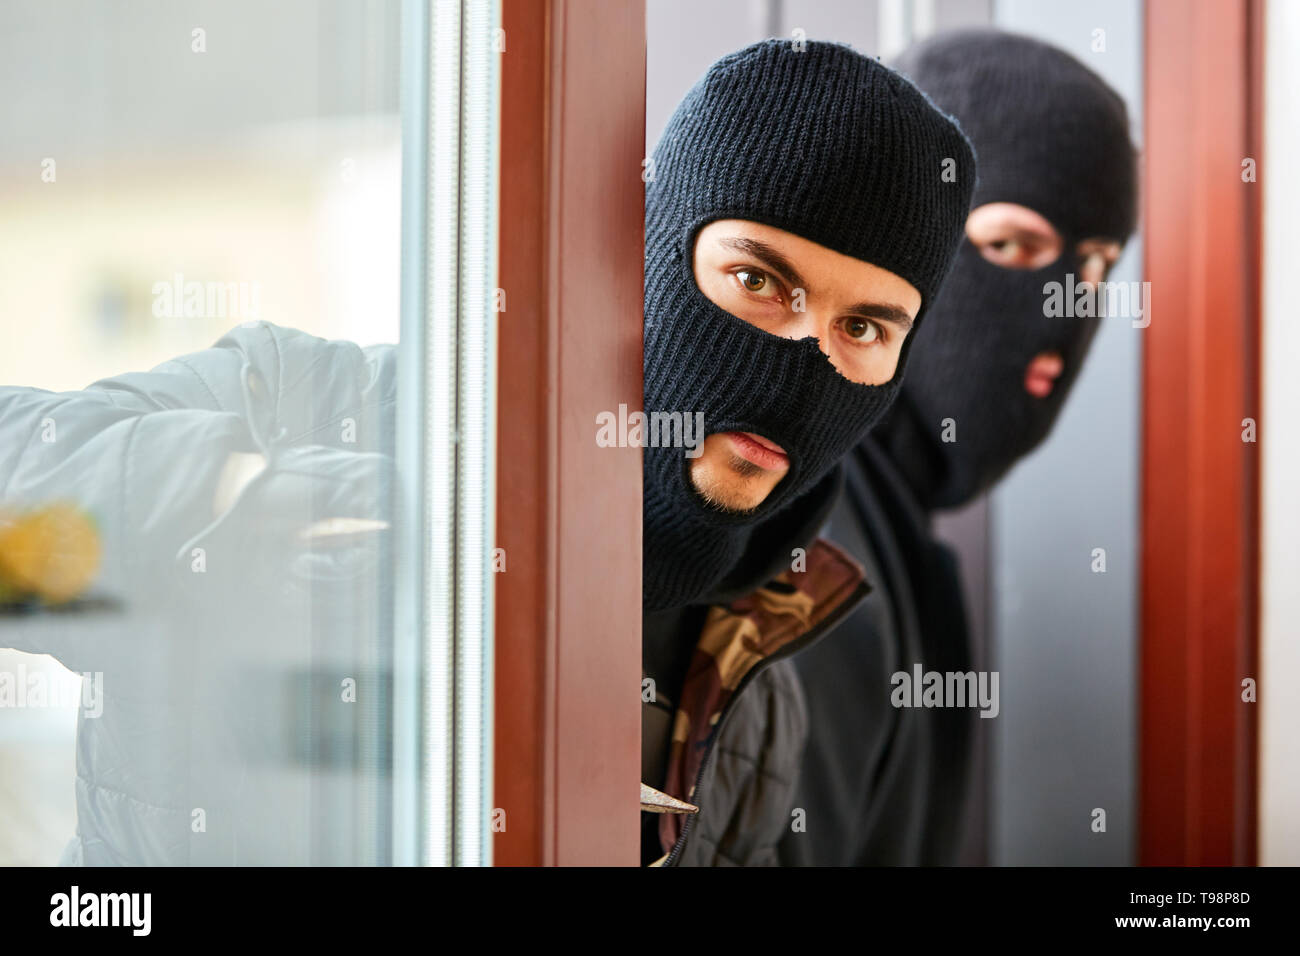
{"x": 778, "y": 263}
{"x": 770, "y": 257}
{"x": 893, "y": 314}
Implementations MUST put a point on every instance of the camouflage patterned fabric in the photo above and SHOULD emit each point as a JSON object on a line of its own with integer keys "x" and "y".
{"x": 734, "y": 641}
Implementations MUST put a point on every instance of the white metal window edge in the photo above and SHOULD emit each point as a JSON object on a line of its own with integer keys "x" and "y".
{"x": 442, "y": 746}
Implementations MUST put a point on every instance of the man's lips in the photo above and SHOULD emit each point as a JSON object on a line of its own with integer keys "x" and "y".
{"x": 758, "y": 450}
{"x": 1042, "y": 373}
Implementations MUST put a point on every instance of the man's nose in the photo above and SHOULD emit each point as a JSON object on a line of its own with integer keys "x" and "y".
{"x": 809, "y": 323}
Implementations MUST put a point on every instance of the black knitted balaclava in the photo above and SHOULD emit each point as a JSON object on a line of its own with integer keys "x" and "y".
{"x": 830, "y": 145}
{"x": 1051, "y": 135}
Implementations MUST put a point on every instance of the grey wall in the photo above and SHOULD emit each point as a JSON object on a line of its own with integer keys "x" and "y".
{"x": 1065, "y": 638}
{"x": 683, "y": 37}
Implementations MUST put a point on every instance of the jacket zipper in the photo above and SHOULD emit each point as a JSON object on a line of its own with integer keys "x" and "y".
{"x": 834, "y": 617}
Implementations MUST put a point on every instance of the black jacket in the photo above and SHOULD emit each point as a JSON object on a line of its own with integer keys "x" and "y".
{"x": 879, "y": 784}
{"x": 728, "y": 722}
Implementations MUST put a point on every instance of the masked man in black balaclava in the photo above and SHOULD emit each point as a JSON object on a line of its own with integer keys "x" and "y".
{"x": 803, "y": 210}
{"x": 1056, "y": 200}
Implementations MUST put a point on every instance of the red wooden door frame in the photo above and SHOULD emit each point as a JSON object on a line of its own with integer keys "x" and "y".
{"x": 568, "y": 622}
{"x": 1197, "y": 802}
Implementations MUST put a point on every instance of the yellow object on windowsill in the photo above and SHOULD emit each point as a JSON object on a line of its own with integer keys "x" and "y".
{"x": 51, "y": 553}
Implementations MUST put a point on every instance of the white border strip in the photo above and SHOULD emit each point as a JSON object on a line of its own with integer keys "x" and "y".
{"x": 476, "y": 462}
{"x": 1279, "y": 744}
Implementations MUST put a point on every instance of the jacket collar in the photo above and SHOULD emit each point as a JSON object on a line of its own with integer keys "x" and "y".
{"x": 792, "y": 611}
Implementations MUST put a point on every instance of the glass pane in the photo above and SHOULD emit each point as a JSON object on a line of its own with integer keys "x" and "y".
{"x": 203, "y": 211}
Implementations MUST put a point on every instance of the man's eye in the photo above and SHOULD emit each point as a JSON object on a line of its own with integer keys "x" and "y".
{"x": 862, "y": 330}
{"x": 759, "y": 283}
{"x": 1023, "y": 251}
{"x": 1005, "y": 251}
